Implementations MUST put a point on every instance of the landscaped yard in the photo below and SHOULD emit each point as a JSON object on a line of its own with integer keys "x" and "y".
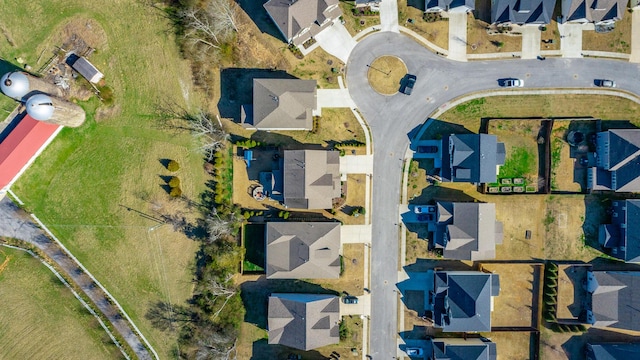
{"x": 567, "y": 174}
{"x": 480, "y": 41}
{"x": 83, "y": 184}
{"x": 40, "y": 317}
{"x": 436, "y": 31}
{"x": 618, "y": 40}
{"x": 521, "y": 142}
{"x": 353, "y": 23}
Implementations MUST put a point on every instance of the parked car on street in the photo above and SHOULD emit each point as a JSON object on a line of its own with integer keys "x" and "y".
{"x": 604, "y": 83}
{"x": 350, "y": 299}
{"x": 408, "y": 83}
{"x": 512, "y": 82}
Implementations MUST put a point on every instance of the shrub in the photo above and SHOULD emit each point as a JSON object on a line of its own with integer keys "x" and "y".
{"x": 344, "y": 331}
{"x": 173, "y": 166}
{"x": 174, "y": 182}
{"x": 176, "y": 192}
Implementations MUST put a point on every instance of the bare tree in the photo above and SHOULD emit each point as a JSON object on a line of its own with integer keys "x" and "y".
{"x": 212, "y": 25}
{"x": 216, "y": 347}
{"x": 213, "y": 136}
{"x": 218, "y": 226}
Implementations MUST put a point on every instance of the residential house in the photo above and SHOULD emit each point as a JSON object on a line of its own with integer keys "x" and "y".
{"x": 522, "y": 12}
{"x": 450, "y": 5}
{"x": 301, "y": 20}
{"x": 463, "y": 349}
{"x": 281, "y": 104}
{"x": 600, "y": 12}
{"x": 467, "y": 231}
{"x": 462, "y": 301}
{"x": 625, "y": 351}
{"x": 613, "y": 299}
{"x": 473, "y": 158}
{"x": 303, "y": 321}
{"x": 622, "y": 236}
{"x": 303, "y": 250}
{"x": 617, "y": 161}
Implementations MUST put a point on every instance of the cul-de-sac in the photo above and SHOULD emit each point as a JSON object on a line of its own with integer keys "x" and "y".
{"x": 320, "y": 179}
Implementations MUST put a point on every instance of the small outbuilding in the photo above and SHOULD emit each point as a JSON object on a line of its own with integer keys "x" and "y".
{"x": 85, "y": 68}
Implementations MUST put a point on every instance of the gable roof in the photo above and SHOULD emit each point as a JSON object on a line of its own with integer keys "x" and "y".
{"x": 303, "y": 321}
{"x": 21, "y": 145}
{"x": 467, "y": 231}
{"x": 85, "y": 68}
{"x": 522, "y": 11}
{"x": 617, "y": 161}
{"x": 615, "y": 298}
{"x": 463, "y": 300}
{"x": 613, "y": 351}
{"x": 311, "y": 178}
{"x": 463, "y": 349}
{"x": 471, "y": 158}
{"x": 283, "y": 104}
{"x": 622, "y": 236}
{"x": 303, "y": 250}
{"x": 448, "y": 5}
{"x": 293, "y": 16}
{"x": 594, "y": 10}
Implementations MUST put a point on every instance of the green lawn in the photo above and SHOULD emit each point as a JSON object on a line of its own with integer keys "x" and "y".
{"x": 40, "y": 317}
{"x": 520, "y": 162}
{"x": 254, "y": 244}
{"x": 84, "y": 182}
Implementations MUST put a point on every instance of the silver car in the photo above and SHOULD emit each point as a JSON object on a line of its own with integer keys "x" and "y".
{"x": 513, "y": 83}
{"x": 605, "y": 83}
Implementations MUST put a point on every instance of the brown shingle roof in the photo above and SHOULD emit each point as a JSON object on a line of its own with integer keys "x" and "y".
{"x": 284, "y": 104}
{"x": 311, "y": 178}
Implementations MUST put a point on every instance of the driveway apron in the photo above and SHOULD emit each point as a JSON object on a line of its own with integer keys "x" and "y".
{"x": 337, "y": 41}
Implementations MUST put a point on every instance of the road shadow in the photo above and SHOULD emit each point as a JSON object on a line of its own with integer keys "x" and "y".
{"x": 259, "y": 15}
{"x": 236, "y": 88}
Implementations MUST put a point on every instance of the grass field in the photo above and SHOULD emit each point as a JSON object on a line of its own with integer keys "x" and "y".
{"x": 385, "y": 74}
{"x": 40, "y": 317}
{"x": 618, "y": 40}
{"x": 83, "y": 184}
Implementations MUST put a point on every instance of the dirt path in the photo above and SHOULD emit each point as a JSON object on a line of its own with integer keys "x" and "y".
{"x": 15, "y": 223}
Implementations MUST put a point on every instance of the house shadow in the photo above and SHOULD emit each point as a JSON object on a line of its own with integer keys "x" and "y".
{"x": 6, "y": 67}
{"x": 255, "y": 295}
{"x": 434, "y": 129}
{"x": 576, "y": 275}
{"x": 259, "y": 15}
{"x": 236, "y": 88}
{"x": 418, "y": 332}
{"x": 433, "y": 193}
{"x": 262, "y": 350}
{"x": 575, "y": 347}
{"x": 418, "y": 4}
{"x": 597, "y": 207}
{"x": 616, "y": 124}
{"x": 12, "y": 125}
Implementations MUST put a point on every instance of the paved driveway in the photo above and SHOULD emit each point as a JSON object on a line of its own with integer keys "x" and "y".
{"x": 458, "y": 36}
{"x": 395, "y": 119}
{"x": 356, "y": 164}
{"x": 531, "y": 37}
{"x": 363, "y": 307}
{"x": 334, "y": 98}
{"x": 571, "y": 40}
{"x": 355, "y": 234}
{"x": 337, "y": 41}
{"x": 389, "y": 16}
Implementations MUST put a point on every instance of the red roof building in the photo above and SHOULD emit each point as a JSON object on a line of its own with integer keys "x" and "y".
{"x": 21, "y": 147}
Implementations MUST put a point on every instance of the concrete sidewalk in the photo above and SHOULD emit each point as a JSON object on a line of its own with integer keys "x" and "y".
{"x": 389, "y": 16}
{"x": 635, "y": 36}
{"x": 355, "y": 234}
{"x": 457, "y": 36}
{"x": 337, "y": 41}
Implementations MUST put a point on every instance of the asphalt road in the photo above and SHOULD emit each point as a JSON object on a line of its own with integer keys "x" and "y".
{"x": 393, "y": 119}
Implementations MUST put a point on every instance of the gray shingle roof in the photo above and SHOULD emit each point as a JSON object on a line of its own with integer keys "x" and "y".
{"x": 522, "y": 11}
{"x": 293, "y": 16}
{"x": 311, "y": 178}
{"x": 471, "y": 158}
{"x": 461, "y": 349}
{"x": 283, "y": 104}
{"x": 618, "y": 161}
{"x": 615, "y": 299}
{"x": 463, "y": 300}
{"x": 303, "y": 321}
{"x": 613, "y": 351}
{"x": 623, "y": 234}
{"x": 303, "y": 250}
{"x": 467, "y": 231}
{"x": 594, "y": 10}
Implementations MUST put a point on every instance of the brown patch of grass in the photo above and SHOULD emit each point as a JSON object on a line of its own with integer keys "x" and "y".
{"x": 551, "y": 32}
{"x": 355, "y": 198}
{"x": 570, "y": 291}
{"x": 480, "y": 42}
{"x": 352, "y": 279}
{"x": 512, "y": 345}
{"x": 354, "y": 23}
{"x": 437, "y": 32}
{"x": 618, "y": 40}
{"x": 385, "y": 74}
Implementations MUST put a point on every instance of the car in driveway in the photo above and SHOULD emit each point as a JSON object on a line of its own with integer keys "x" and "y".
{"x": 424, "y": 209}
{"x": 428, "y": 149}
{"x": 604, "y": 83}
{"x": 512, "y": 82}
{"x": 408, "y": 83}
{"x": 414, "y": 351}
{"x": 350, "y": 299}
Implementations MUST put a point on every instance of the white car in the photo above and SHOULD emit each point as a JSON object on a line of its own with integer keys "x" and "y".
{"x": 415, "y": 351}
{"x": 513, "y": 83}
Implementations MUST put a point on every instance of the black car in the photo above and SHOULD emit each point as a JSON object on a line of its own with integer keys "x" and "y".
{"x": 350, "y": 300}
{"x": 428, "y": 149}
{"x": 409, "y": 82}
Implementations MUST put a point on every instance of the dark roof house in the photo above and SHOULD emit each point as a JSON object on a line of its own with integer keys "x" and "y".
{"x": 617, "y": 161}
{"x": 622, "y": 236}
{"x": 303, "y": 321}
{"x": 522, "y": 12}
{"x": 300, "y": 20}
{"x": 86, "y": 69}
{"x": 463, "y": 349}
{"x": 473, "y": 158}
{"x": 311, "y": 178}
{"x": 614, "y": 299}
{"x": 450, "y": 5}
{"x": 281, "y": 104}
{"x": 303, "y": 250}
{"x": 594, "y": 11}
{"x": 626, "y": 351}
{"x": 462, "y": 300}
{"x": 467, "y": 231}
